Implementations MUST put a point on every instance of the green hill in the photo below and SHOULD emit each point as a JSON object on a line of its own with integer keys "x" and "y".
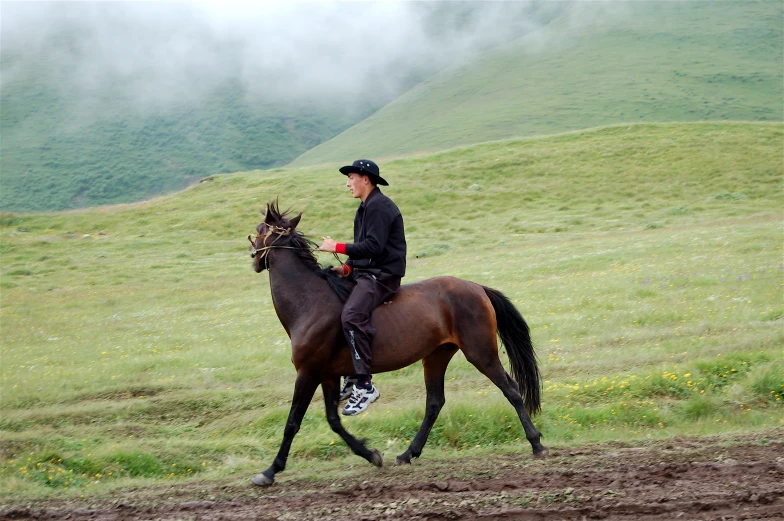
{"x": 653, "y": 61}
{"x": 56, "y": 154}
{"x": 656, "y": 61}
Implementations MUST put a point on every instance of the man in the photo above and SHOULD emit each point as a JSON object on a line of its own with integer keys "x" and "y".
{"x": 377, "y": 261}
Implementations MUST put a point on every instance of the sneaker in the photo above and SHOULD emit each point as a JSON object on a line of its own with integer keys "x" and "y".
{"x": 348, "y": 385}
{"x": 360, "y": 399}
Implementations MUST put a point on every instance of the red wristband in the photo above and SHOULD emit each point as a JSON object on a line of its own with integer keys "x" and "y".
{"x": 346, "y": 270}
{"x": 340, "y": 248}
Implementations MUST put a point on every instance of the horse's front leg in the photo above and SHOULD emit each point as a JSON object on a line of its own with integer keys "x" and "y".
{"x": 304, "y": 388}
{"x": 331, "y": 397}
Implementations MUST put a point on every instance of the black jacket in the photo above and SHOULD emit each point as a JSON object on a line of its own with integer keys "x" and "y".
{"x": 379, "y": 239}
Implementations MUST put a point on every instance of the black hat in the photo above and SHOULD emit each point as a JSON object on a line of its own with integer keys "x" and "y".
{"x": 365, "y": 167}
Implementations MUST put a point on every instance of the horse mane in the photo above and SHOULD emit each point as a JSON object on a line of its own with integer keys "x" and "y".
{"x": 339, "y": 285}
{"x": 304, "y": 248}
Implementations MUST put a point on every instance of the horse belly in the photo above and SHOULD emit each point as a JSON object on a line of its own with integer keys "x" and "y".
{"x": 403, "y": 339}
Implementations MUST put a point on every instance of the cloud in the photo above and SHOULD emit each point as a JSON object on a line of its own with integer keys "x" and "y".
{"x": 151, "y": 55}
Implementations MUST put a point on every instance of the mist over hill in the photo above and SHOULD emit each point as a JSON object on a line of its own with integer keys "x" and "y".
{"x": 115, "y": 102}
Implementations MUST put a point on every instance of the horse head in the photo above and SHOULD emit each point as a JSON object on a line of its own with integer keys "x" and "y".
{"x": 275, "y": 230}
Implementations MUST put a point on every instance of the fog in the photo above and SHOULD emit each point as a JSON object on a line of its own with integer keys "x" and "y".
{"x": 152, "y": 55}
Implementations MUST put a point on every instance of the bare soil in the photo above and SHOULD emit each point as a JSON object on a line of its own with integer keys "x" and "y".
{"x": 709, "y": 478}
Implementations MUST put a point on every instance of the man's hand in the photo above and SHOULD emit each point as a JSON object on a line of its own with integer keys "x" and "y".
{"x": 328, "y": 245}
{"x": 339, "y": 271}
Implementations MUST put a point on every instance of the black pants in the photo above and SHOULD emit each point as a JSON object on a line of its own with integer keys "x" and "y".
{"x": 357, "y": 317}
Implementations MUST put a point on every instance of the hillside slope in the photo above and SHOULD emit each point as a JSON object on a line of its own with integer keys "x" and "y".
{"x": 658, "y": 61}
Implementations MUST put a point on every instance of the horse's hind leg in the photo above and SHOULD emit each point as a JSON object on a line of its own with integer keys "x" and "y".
{"x": 331, "y": 399}
{"x": 490, "y": 366}
{"x": 435, "y": 368}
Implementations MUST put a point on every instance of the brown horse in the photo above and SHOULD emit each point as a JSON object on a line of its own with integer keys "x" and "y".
{"x": 426, "y": 321}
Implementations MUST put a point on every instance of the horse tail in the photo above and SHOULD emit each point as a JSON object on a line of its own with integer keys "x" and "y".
{"x": 516, "y": 338}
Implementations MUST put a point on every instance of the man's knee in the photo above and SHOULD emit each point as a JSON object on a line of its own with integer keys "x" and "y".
{"x": 353, "y": 317}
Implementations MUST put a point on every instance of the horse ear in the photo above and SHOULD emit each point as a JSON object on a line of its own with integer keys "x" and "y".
{"x": 267, "y": 214}
{"x": 295, "y": 221}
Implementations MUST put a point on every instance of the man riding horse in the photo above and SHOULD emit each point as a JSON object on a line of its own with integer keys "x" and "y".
{"x": 429, "y": 321}
{"x": 377, "y": 262}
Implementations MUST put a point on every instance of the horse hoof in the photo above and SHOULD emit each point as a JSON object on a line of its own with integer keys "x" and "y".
{"x": 399, "y": 462}
{"x": 260, "y": 480}
{"x": 376, "y": 458}
{"x": 542, "y": 454}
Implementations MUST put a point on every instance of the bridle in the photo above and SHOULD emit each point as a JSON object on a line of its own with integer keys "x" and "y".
{"x": 271, "y": 229}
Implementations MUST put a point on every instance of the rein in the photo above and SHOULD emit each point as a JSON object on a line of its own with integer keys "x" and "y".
{"x": 280, "y": 232}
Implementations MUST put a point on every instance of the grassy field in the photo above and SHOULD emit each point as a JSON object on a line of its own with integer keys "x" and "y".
{"x": 650, "y": 62}
{"x": 139, "y": 347}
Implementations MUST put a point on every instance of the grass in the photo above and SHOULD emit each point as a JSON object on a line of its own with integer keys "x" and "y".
{"x": 643, "y": 62}
{"x": 138, "y": 347}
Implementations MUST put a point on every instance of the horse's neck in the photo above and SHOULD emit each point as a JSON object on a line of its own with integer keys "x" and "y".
{"x": 295, "y": 288}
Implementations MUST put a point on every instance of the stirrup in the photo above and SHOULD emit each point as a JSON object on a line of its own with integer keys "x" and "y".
{"x": 348, "y": 387}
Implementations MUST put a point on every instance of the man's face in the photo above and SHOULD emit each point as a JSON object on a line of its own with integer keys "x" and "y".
{"x": 357, "y": 184}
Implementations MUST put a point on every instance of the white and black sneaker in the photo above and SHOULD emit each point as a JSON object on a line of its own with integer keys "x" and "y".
{"x": 348, "y": 386}
{"x": 360, "y": 399}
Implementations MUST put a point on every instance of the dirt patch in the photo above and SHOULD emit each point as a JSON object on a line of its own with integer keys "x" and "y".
{"x": 690, "y": 479}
